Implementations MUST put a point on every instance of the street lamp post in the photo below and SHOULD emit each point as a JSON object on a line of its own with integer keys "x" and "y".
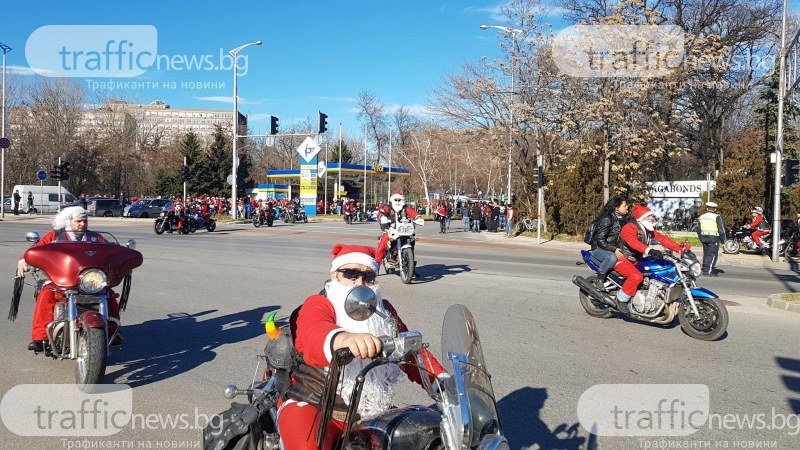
{"x": 5, "y": 49}
{"x": 233, "y": 53}
{"x": 514, "y": 33}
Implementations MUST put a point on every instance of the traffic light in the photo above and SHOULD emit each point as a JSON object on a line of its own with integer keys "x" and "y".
{"x": 55, "y": 173}
{"x": 273, "y": 125}
{"x": 64, "y": 170}
{"x": 323, "y": 123}
{"x": 185, "y": 174}
{"x": 792, "y": 172}
{"x": 541, "y": 180}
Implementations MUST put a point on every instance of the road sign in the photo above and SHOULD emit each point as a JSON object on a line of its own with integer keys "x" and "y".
{"x": 321, "y": 169}
{"x": 229, "y": 180}
{"x": 42, "y": 175}
{"x": 308, "y": 149}
{"x": 5, "y": 142}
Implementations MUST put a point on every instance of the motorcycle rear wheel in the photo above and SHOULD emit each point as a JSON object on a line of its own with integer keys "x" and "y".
{"x": 731, "y": 246}
{"x": 159, "y": 227}
{"x": 90, "y": 367}
{"x": 594, "y": 308}
{"x": 711, "y": 324}
{"x": 305, "y": 219}
{"x": 269, "y": 221}
{"x": 407, "y": 265}
{"x": 212, "y": 225}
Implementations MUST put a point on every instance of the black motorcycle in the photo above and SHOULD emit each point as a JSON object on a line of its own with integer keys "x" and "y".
{"x": 741, "y": 240}
{"x": 464, "y": 415}
{"x": 263, "y": 216}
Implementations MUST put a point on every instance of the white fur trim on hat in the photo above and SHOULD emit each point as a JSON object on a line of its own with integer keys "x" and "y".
{"x": 355, "y": 258}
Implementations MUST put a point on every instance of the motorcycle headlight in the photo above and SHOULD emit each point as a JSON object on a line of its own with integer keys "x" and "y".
{"x": 92, "y": 281}
{"x": 695, "y": 269}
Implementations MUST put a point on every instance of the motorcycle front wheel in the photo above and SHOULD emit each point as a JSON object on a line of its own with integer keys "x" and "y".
{"x": 212, "y": 225}
{"x": 256, "y": 222}
{"x": 305, "y": 219}
{"x": 792, "y": 252}
{"x": 710, "y": 325}
{"x": 594, "y": 308}
{"x": 269, "y": 221}
{"x": 731, "y": 246}
{"x": 90, "y": 367}
{"x": 159, "y": 227}
{"x": 407, "y": 265}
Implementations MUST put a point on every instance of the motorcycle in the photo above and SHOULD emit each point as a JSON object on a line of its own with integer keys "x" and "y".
{"x": 82, "y": 274}
{"x": 197, "y": 221}
{"x": 668, "y": 289}
{"x": 792, "y": 250}
{"x": 464, "y": 415}
{"x": 300, "y": 215}
{"x": 287, "y": 215}
{"x": 170, "y": 222}
{"x": 742, "y": 240}
{"x": 400, "y": 251}
{"x": 264, "y": 216}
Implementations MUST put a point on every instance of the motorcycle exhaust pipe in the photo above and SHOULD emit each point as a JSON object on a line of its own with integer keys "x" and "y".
{"x": 592, "y": 291}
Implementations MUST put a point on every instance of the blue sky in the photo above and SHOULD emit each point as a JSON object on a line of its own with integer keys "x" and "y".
{"x": 317, "y": 55}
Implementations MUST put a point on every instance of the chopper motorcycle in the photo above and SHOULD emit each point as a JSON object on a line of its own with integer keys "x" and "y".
{"x": 463, "y": 415}
{"x": 668, "y": 289}
{"x": 81, "y": 274}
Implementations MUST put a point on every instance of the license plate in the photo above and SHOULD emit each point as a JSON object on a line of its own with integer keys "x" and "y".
{"x": 405, "y": 230}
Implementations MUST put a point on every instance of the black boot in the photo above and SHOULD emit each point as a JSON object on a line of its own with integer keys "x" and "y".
{"x": 36, "y": 346}
{"x": 623, "y": 307}
{"x": 116, "y": 341}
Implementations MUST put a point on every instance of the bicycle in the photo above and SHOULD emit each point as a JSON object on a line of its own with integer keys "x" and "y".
{"x": 528, "y": 224}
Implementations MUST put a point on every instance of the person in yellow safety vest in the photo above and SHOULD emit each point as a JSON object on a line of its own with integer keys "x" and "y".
{"x": 711, "y": 232}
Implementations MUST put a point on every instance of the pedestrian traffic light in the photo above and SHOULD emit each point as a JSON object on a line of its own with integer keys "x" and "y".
{"x": 323, "y": 123}
{"x": 273, "y": 125}
{"x": 792, "y": 172}
{"x": 64, "y": 170}
{"x": 55, "y": 173}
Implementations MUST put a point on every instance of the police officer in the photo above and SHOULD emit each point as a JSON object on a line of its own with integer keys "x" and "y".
{"x": 711, "y": 232}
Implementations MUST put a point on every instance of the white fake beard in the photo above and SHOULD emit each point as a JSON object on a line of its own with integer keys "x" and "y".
{"x": 378, "y": 390}
{"x": 647, "y": 225}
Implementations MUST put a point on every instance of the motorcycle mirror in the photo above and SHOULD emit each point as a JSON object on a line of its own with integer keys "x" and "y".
{"x": 229, "y": 391}
{"x": 361, "y": 303}
{"x": 131, "y": 244}
{"x": 32, "y": 237}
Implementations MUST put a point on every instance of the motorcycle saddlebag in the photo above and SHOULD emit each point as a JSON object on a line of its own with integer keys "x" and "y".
{"x": 240, "y": 427}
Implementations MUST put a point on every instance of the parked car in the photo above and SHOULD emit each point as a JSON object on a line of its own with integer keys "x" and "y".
{"x": 104, "y": 207}
{"x": 147, "y": 207}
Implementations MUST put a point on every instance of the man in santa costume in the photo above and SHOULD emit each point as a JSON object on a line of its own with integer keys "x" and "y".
{"x": 759, "y": 225}
{"x": 71, "y": 224}
{"x": 634, "y": 241}
{"x": 322, "y": 327}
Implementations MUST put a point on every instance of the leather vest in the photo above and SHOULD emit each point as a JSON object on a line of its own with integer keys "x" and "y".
{"x": 644, "y": 237}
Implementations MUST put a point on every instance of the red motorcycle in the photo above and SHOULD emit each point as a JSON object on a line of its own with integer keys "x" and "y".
{"x": 81, "y": 273}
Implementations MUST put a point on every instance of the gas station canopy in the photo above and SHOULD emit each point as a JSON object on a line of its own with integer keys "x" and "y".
{"x": 350, "y": 172}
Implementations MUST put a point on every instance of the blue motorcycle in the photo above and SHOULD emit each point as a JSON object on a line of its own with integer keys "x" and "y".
{"x": 197, "y": 221}
{"x": 669, "y": 288}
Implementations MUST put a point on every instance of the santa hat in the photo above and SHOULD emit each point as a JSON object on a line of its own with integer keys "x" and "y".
{"x": 640, "y": 212}
{"x": 354, "y": 254}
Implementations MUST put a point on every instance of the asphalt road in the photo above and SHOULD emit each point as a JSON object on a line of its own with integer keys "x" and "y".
{"x": 193, "y": 324}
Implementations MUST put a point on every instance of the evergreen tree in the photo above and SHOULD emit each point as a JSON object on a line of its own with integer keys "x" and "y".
{"x": 215, "y": 165}
{"x": 167, "y": 185}
{"x": 190, "y": 149}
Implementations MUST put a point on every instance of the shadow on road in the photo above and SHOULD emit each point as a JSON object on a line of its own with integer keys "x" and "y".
{"x": 520, "y": 415}
{"x": 159, "y": 349}
{"x": 433, "y": 272}
{"x": 790, "y": 280}
{"x": 792, "y": 382}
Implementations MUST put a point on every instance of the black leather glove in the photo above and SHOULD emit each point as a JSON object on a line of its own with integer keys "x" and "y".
{"x": 655, "y": 254}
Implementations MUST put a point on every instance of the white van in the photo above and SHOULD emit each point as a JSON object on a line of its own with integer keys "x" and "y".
{"x": 45, "y": 198}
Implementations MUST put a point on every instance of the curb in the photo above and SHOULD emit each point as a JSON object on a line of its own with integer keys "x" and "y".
{"x": 759, "y": 262}
{"x": 776, "y": 302}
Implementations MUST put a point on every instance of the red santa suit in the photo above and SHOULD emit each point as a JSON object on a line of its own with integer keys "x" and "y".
{"x": 633, "y": 236}
{"x": 759, "y": 223}
{"x": 320, "y": 320}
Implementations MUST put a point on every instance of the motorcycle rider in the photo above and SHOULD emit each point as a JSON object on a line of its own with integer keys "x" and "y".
{"x": 711, "y": 232}
{"x": 322, "y": 327}
{"x": 399, "y": 212}
{"x": 759, "y": 226}
{"x": 72, "y": 224}
{"x": 634, "y": 242}
{"x": 606, "y": 236}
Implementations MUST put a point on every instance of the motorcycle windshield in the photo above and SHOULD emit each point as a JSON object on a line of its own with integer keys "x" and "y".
{"x": 474, "y": 413}
{"x": 87, "y": 237}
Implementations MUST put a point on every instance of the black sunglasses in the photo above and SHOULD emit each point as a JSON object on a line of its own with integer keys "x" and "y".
{"x": 354, "y": 274}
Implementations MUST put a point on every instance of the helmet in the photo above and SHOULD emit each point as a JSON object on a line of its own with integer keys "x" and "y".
{"x": 398, "y": 201}
{"x": 757, "y": 210}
